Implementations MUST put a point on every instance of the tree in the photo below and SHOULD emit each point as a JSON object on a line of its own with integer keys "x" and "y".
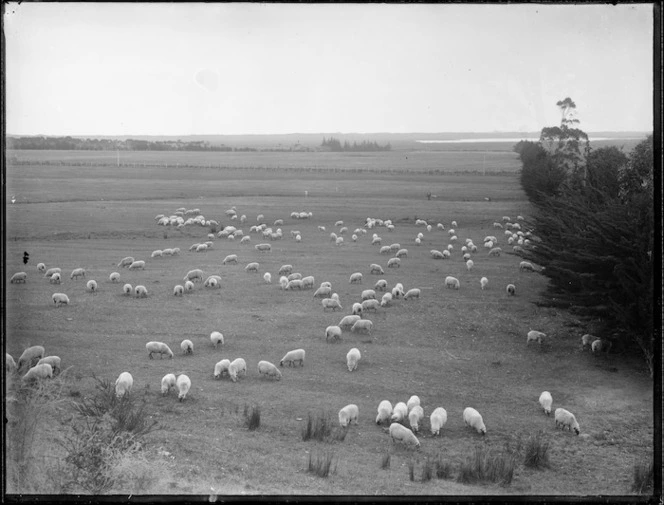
{"x": 603, "y": 170}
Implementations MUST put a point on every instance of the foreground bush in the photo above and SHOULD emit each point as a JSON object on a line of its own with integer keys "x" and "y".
{"x": 322, "y": 428}
{"x": 484, "y": 465}
{"x": 537, "y": 451}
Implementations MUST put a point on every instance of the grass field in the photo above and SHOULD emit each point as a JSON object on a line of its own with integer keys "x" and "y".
{"x": 451, "y": 348}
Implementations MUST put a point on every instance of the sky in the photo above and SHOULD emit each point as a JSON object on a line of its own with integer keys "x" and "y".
{"x": 256, "y": 68}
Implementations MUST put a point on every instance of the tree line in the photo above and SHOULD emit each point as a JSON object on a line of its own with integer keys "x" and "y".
{"x": 594, "y": 231}
{"x": 336, "y": 146}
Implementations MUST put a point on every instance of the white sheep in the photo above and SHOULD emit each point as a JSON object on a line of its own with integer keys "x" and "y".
{"x": 286, "y": 270}
{"x": 308, "y": 282}
{"x": 157, "y": 254}
{"x": 473, "y": 419}
{"x": 587, "y": 340}
{"x": 167, "y": 382}
{"x": 187, "y": 347}
{"x": 141, "y": 291}
{"x": 18, "y": 277}
{"x": 125, "y": 262}
{"x": 469, "y": 265}
{"x": 412, "y": 402}
{"x": 323, "y": 292}
{"x": 265, "y": 368}
{"x": 347, "y": 322}
{"x": 370, "y": 304}
{"x": 414, "y": 417}
{"x": 158, "y": 347}
{"x": 10, "y": 364}
{"x": 356, "y": 278}
{"x": 296, "y": 276}
{"x": 438, "y": 419}
{"x": 237, "y": 366}
{"x": 386, "y": 300}
{"x": 398, "y": 291}
{"x": 393, "y": 263}
{"x": 123, "y": 384}
{"x": 412, "y": 293}
{"x": 127, "y": 289}
{"x": 334, "y": 332}
{"x": 295, "y": 356}
{"x": 511, "y": 290}
{"x": 484, "y": 282}
{"x": 348, "y": 415}
{"x": 381, "y": 285}
{"x": 188, "y": 287}
{"x": 231, "y": 258}
{"x": 330, "y": 303}
{"x": 60, "y": 299}
{"x": 41, "y": 267}
{"x": 252, "y": 267}
{"x": 221, "y": 367}
{"x": 42, "y": 371}
{"x": 535, "y": 336}
{"x": 263, "y": 247}
{"x": 526, "y": 266}
{"x": 600, "y": 345}
{"x": 352, "y": 358}
{"x": 77, "y": 272}
{"x": 402, "y": 253}
{"x": 377, "y": 269}
{"x": 283, "y": 282}
{"x": 212, "y": 282}
{"x": 495, "y": 251}
{"x": 295, "y": 284}
{"x": 55, "y": 278}
{"x": 368, "y": 294}
{"x": 91, "y": 285}
{"x": 545, "y": 401}
{"x": 399, "y": 433}
{"x": 326, "y": 285}
{"x": 178, "y": 290}
{"x": 52, "y": 271}
{"x": 183, "y": 384}
{"x": 137, "y": 265}
{"x": 216, "y": 338}
{"x": 54, "y": 361}
{"x": 385, "y": 249}
{"x": 30, "y": 357}
{"x": 194, "y": 275}
{"x": 201, "y": 248}
{"x": 451, "y": 282}
{"x": 565, "y": 419}
{"x": 267, "y": 277}
{"x": 114, "y": 277}
{"x": 384, "y": 411}
{"x": 436, "y": 254}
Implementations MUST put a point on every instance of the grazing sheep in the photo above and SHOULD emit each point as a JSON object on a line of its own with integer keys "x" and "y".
{"x": 399, "y": 433}
{"x": 535, "y": 336}
{"x": 362, "y": 326}
{"x": 183, "y": 384}
{"x": 10, "y": 364}
{"x": 546, "y": 400}
{"x": 283, "y": 282}
{"x": 187, "y": 347}
{"x": 141, "y": 291}
{"x": 54, "y": 279}
{"x": 381, "y": 285}
{"x": 216, "y": 338}
{"x": 127, "y": 289}
{"x": 194, "y": 275}
{"x": 295, "y": 284}
{"x": 347, "y": 322}
{"x": 308, "y": 282}
{"x": 265, "y": 368}
{"x": 400, "y": 412}
{"x": 437, "y": 255}
{"x": 370, "y": 304}
{"x": 267, "y": 277}
{"x": 160, "y": 348}
{"x": 237, "y": 366}
{"x": 484, "y": 282}
{"x": 357, "y": 309}
{"x": 587, "y": 340}
{"x": 451, "y": 282}
{"x": 412, "y": 402}
{"x": 188, "y": 287}
{"x": 352, "y": 358}
{"x": 495, "y": 251}
{"x": 231, "y": 258}
{"x": 30, "y": 357}
{"x": 263, "y": 247}
{"x": 137, "y": 265}
{"x": 167, "y": 382}
{"x": 54, "y": 361}
{"x": 178, "y": 290}
{"x": 286, "y": 270}
{"x": 386, "y": 301}
{"x": 368, "y": 294}
{"x": 322, "y": 292}
{"x": 201, "y": 248}
{"x": 402, "y": 253}
{"x": 18, "y": 277}
{"x": 125, "y": 262}
{"x": 376, "y": 240}
{"x": 377, "y": 269}
{"x": 600, "y": 345}
{"x": 252, "y": 267}
{"x": 297, "y": 355}
{"x": 356, "y": 278}
{"x": 60, "y": 299}
{"x": 330, "y": 303}
{"x": 385, "y": 249}
{"x": 52, "y": 271}
{"x": 438, "y": 419}
{"x": 393, "y": 263}
{"x": 42, "y": 371}
{"x": 526, "y": 266}
{"x": 414, "y": 417}
{"x": 91, "y": 286}
{"x": 339, "y": 241}
{"x": 294, "y": 276}
{"x": 473, "y": 419}
{"x": 565, "y": 419}
{"x": 123, "y": 384}
{"x": 412, "y": 293}
{"x": 384, "y": 411}
{"x": 213, "y": 282}
{"x": 511, "y": 290}
{"x": 41, "y": 267}
{"x": 469, "y": 265}
{"x": 77, "y": 272}
{"x": 326, "y": 285}
{"x": 348, "y": 415}
{"x": 157, "y": 254}
{"x": 334, "y": 332}
{"x": 114, "y": 277}
{"x": 221, "y": 367}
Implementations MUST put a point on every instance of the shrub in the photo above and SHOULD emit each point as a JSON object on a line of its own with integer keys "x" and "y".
{"x": 642, "y": 479}
{"x": 485, "y": 466}
{"x": 321, "y": 463}
{"x": 428, "y": 469}
{"x": 443, "y": 468}
{"x": 252, "y": 419}
{"x": 537, "y": 451}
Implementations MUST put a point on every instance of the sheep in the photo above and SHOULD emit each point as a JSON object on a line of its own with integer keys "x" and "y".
{"x": 357, "y": 309}
{"x": 469, "y": 265}
{"x": 370, "y": 304}
{"x": 141, "y": 291}
{"x": 377, "y": 269}
{"x": 194, "y": 275}
{"x": 294, "y": 276}
{"x": 18, "y": 277}
{"x": 265, "y": 368}
{"x": 114, "y": 277}
{"x": 412, "y": 293}
{"x": 526, "y": 266}
{"x": 322, "y": 292}
{"x": 60, "y": 299}
{"x": 55, "y": 278}
{"x": 231, "y": 258}
{"x": 535, "y": 336}
{"x": 167, "y": 382}
{"x": 376, "y": 240}
{"x": 187, "y": 347}
{"x": 330, "y": 303}
{"x": 123, "y": 384}
{"x": 295, "y": 284}
{"x": 216, "y": 338}
{"x": 381, "y": 285}
{"x": 221, "y": 367}
{"x": 183, "y": 384}
{"x": 438, "y": 419}
{"x": 565, "y": 419}
{"x": 42, "y": 371}
{"x": 308, "y": 282}
{"x": 267, "y": 277}
{"x": 54, "y": 361}
{"x": 188, "y": 287}
{"x": 77, "y": 272}
{"x": 484, "y": 282}
{"x": 346, "y": 323}
{"x": 414, "y": 418}
{"x": 91, "y": 285}
{"x": 237, "y": 366}
{"x": 511, "y": 290}
{"x": 600, "y": 345}
{"x": 393, "y": 263}
{"x": 137, "y": 265}
{"x": 363, "y": 325}
{"x": 333, "y": 332}
{"x": 436, "y": 254}
{"x": 386, "y": 300}
{"x": 587, "y": 340}
{"x": 384, "y": 411}
{"x": 497, "y": 225}
{"x": 213, "y": 282}
{"x": 356, "y": 278}
{"x": 296, "y": 356}
{"x": 348, "y": 415}
{"x": 41, "y": 267}
{"x": 157, "y": 254}
{"x": 283, "y": 282}
{"x": 252, "y": 267}
{"x": 399, "y": 433}
{"x": 339, "y": 241}
{"x": 418, "y": 241}
{"x": 402, "y": 253}
{"x": 326, "y": 285}
{"x": 412, "y": 402}
{"x": 10, "y": 364}
{"x": 127, "y": 289}
{"x": 352, "y": 358}
{"x": 125, "y": 262}
{"x": 545, "y": 401}
{"x": 160, "y": 348}
{"x": 451, "y": 282}
{"x": 263, "y": 247}
{"x": 286, "y": 270}
{"x": 30, "y": 356}
{"x": 368, "y": 294}
{"x": 495, "y": 251}
{"x": 473, "y": 419}
{"x": 178, "y": 290}
{"x": 201, "y": 248}
{"x": 400, "y": 412}
{"x": 244, "y": 239}
{"x": 385, "y": 249}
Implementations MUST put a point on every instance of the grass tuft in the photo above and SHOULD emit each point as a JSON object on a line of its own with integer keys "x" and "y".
{"x": 485, "y": 465}
{"x": 411, "y": 470}
{"x": 428, "y": 469}
{"x": 537, "y": 451}
{"x": 320, "y": 464}
{"x": 322, "y": 428}
{"x": 385, "y": 461}
{"x": 443, "y": 468}
{"x": 643, "y": 477}
{"x": 252, "y": 418}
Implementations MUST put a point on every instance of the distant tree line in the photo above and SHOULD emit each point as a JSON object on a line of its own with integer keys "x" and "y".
{"x": 594, "y": 231}
{"x": 335, "y": 145}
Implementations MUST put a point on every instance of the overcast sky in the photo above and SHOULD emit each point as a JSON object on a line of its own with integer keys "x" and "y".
{"x": 179, "y": 69}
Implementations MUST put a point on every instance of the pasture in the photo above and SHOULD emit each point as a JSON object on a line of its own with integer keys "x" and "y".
{"x": 451, "y": 348}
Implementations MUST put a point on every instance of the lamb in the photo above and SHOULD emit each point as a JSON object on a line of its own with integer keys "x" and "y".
{"x": 77, "y": 272}
{"x": 347, "y": 322}
{"x": 286, "y": 270}
{"x": 42, "y": 371}
{"x": 267, "y": 277}
{"x": 114, "y": 277}
{"x": 137, "y": 265}
{"x": 348, "y": 415}
{"x": 357, "y": 309}
{"x": 10, "y": 364}
{"x": 127, "y": 289}
{"x": 368, "y": 294}
{"x": 393, "y": 263}
{"x": 546, "y": 400}
{"x": 386, "y": 301}
{"x": 60, "y": 299}
{"x": 244, "y": 239}
{"x": 377, "y": 269}
{"x": 356, "y": 278}
{"x": 511, "y": 290}
{"x": 400, "y": 412}
{"x": 167, "y": 382}
{"x": 438, "y": 419}
{"x": 30, "y": 356}
{"x": 330, "y": 303}
{"x": 526, "y": 266}
{"x": 326, "y": 285}
{"x": 231, "y": 258}
{"x": 55, "y": 278}
{"x": 484, "y": 282}
{"x": 384, "y": 411}
{"x": 402, "y": 253}
{"x": 322, "y": 292}
{"x": 252, "y": 267}
{"x": 187, "y": 347}
{"x": 363, "y": 326}
{"x": 54, "y": 361}
{"x": 473, "y": 419}
{"x": 381, "y": 285}
{"x": 296, "y": 356}
{"x": 334, "y": 332}
{"x": 125, "y": 262}
{"x": 352, "y": 358}
{"x": 265, "y": 368}
{"x": 376, "y": 240}
{"x": 451, "y": 282}
{"x": 221, "y": 367}
{"x": 414, "y": 417}
{"x": 535, "y": 336}
{"x": 237, "y": 366}
{"x": 565, "y": 419}
{"x": 412, "y": 293}
{"x": 141, "y": 291}
{"x": 91, "y": 285}
{"x": 41, "y": 267}
{"x": 178, "y": 290}
{"x": 18, "y": 277}
{"x": 123, "y": 384}
{"x": 399, "y": 433}
{"x": 370, "y": 304}
{"x": 216, "y": 338}
{"x": 183, "y": 384}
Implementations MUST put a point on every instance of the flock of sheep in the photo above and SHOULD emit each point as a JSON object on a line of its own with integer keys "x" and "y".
{"x": 380, "y": 297}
